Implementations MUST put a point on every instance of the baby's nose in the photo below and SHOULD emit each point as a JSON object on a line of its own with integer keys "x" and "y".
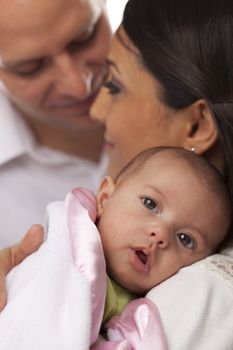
{"x": 160, "y": 236}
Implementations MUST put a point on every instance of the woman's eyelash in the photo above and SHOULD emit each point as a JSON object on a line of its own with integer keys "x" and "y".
{"x": 112, "y": 87}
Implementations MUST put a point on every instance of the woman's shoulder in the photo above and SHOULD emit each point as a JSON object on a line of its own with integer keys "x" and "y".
{"x": 195, "y": 305}
{"x": 221, "y": 265}
{"x": 211, "y": 271}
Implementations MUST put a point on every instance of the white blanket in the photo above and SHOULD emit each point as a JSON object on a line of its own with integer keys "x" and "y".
{"x": 50, "y": 297}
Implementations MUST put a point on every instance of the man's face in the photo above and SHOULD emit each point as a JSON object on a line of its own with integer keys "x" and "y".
{"x": 52, "y": 56}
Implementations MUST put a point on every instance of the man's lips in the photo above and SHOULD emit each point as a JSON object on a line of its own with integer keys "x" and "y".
{"x": 73, "y": 103}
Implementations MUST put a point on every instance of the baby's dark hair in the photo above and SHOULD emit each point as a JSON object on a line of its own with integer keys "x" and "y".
{"x": 208, "y": 175}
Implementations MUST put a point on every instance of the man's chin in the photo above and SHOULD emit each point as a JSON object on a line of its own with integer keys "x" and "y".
{"x": 67, "y": 121}
{"x": 83, "y": 123}
{"x": 61, "y": 117}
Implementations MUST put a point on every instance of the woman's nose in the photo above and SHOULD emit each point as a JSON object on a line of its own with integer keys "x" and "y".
{"x": 99, "y": 108}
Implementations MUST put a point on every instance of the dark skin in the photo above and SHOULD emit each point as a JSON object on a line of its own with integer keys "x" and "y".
{"x": 14, "y": 255}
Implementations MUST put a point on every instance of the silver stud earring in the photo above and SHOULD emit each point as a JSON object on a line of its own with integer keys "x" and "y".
{"x": 193, "y": 149}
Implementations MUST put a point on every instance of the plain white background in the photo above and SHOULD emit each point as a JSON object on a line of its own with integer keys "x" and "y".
{"x": 115, "y": 11}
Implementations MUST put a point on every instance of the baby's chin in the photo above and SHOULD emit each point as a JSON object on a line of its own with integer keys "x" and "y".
{"x": 133, "y": 287}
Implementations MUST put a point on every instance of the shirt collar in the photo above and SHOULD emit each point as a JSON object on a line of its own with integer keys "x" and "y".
{"x": 16, "y": 140}
{"x": 14, "y": 134}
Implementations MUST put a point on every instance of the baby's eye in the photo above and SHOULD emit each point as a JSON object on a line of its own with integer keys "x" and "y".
{"x": 112, "y": 87}
{"x": 186, "y": 241}
{"x": 150, "y": 204}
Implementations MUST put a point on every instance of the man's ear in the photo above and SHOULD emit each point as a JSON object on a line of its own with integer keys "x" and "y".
{"x": 201, "y": 132}
{"x": 106, "y": 189}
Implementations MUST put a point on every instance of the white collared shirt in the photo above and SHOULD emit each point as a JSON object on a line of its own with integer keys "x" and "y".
{"x": 31, "y": 176}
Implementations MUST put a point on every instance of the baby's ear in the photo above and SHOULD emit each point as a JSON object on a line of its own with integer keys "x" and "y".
{"x": 106, "y": 189}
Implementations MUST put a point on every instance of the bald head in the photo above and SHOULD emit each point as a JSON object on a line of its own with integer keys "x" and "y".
{"x": 20, "y": 18}
{"x": 18, "y": 14}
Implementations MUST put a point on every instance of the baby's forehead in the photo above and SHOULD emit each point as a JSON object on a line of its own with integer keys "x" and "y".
{"x": 166, "y": 162}
{"x": 159, "y": 162}
{"x": 161, "y": 170}
{"x": 174, "y": 162}
{"x": 184, "y": 171}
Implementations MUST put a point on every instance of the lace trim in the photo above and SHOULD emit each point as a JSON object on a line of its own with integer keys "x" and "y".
{"x": 222, "y": 264}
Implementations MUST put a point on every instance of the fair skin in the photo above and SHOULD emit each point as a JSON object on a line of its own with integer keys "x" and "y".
{"x": 169, "y": 220}
{"x": 52, "y": 63}
{"x": 131, "y": 125}
{"x": 135, "y": 117}
{"x": 12, "y": 256}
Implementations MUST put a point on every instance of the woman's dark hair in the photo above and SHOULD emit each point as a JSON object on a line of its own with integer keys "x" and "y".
{"x": 188, "y": 47}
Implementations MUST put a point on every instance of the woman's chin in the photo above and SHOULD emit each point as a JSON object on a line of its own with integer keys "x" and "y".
{"x": 113, "y": 168}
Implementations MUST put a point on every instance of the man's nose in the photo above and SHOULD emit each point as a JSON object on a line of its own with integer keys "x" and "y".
{"x": 72, "y": 78}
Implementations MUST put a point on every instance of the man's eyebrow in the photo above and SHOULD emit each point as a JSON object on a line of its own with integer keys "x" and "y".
{"x": 112, "y": 64}
{"x": 17, "y": 64}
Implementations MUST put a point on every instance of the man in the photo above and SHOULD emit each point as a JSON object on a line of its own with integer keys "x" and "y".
{"x": 52, "y": 63}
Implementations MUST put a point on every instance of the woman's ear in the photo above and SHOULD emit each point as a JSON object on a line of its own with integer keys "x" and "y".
{"x": 106, "y": 189}
{"x": 201, "y": 132}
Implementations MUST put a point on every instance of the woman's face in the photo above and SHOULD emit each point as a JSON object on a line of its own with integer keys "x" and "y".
{"x": 130, "y": 106}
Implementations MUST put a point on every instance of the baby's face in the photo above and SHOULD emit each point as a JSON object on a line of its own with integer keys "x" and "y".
{"x": 158, "y": 220}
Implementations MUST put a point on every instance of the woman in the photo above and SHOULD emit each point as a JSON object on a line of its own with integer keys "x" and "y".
{"x": 170, "y": 82}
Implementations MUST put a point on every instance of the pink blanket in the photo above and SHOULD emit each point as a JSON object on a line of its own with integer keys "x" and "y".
{"x": 56, "y": 296}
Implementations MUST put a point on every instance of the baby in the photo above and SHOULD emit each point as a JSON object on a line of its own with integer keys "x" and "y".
{"x": 167, "y": 209}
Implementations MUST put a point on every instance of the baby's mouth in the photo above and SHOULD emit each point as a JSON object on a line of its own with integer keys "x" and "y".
{"x": 140, "y": 260}
{"x": 141, "y": 256}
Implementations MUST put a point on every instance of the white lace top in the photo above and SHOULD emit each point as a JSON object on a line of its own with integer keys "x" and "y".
{"x": 223, "y": 265}
{"x": 196, "y": 304}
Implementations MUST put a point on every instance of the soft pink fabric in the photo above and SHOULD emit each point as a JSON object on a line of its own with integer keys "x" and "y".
{"x": 56, "y": 296}
{"x": 137, "y": 328}
{"x": 87, "y": 251}
{"x": 87, "y": 199}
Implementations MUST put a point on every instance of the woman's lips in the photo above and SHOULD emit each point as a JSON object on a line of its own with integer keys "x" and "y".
{"x": 140, "y": 260}
{"x": 108, "y": 144}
